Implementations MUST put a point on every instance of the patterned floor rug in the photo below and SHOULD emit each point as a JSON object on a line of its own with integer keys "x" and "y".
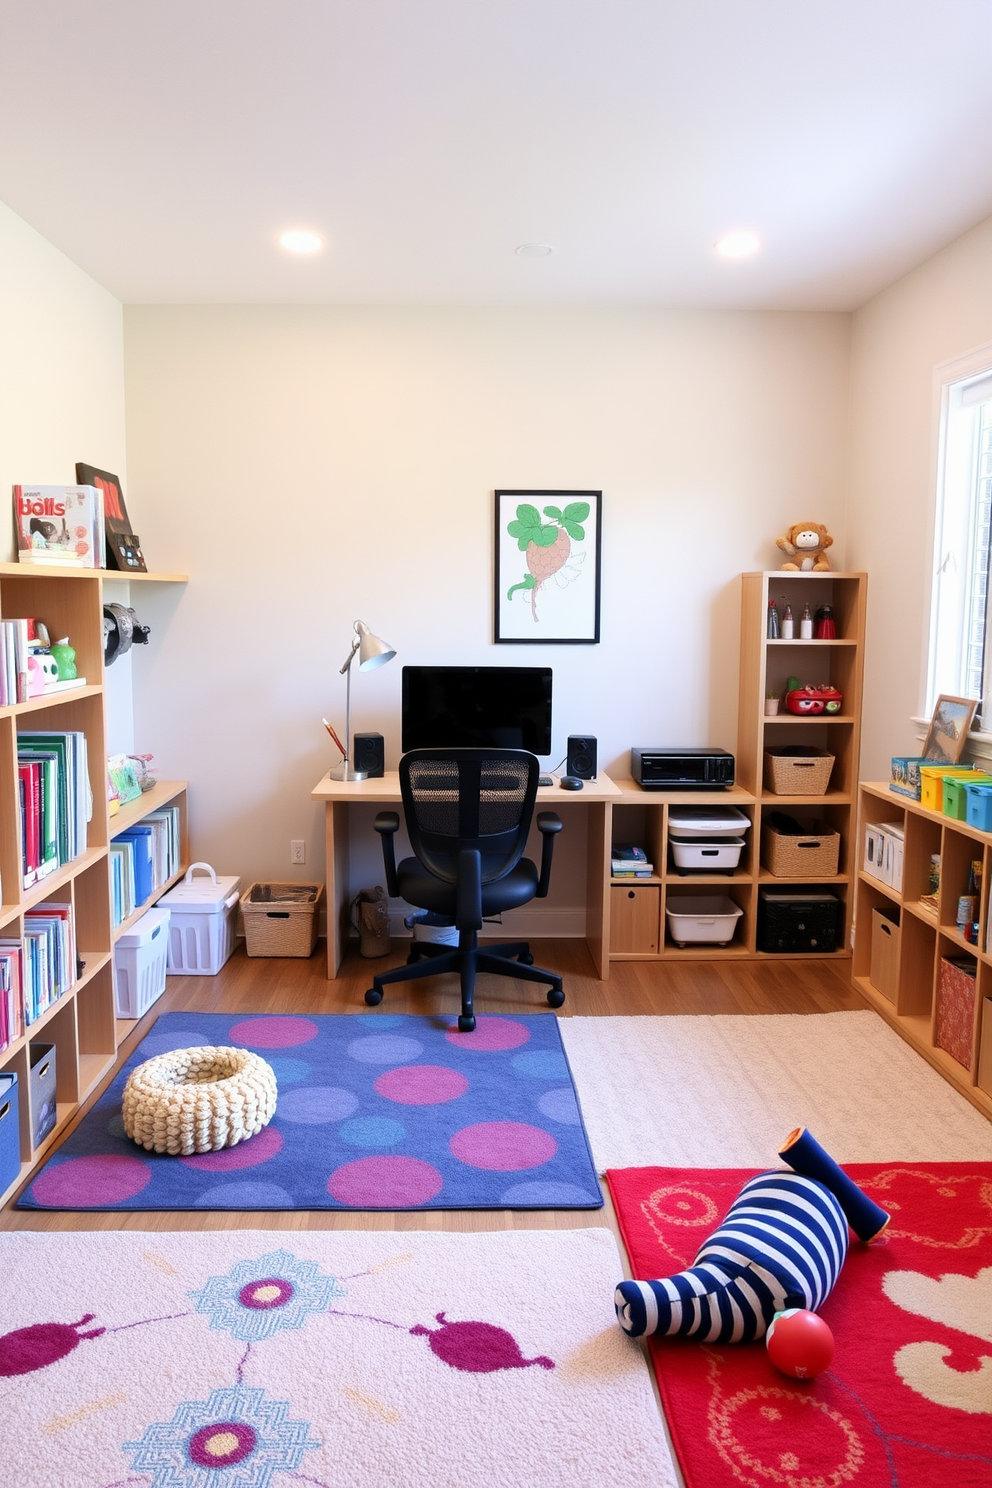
{"x": 376, "y": 1111}
{"x": 907, "y": 1400}
{"x": 254, "y": 1359}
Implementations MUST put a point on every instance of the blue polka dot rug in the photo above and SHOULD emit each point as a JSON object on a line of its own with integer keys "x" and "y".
{"x": 374, "y": 1111}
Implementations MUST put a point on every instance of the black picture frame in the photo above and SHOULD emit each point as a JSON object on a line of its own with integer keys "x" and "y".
{"x": 547, "y": 584}
{"x": 123, "y": 549}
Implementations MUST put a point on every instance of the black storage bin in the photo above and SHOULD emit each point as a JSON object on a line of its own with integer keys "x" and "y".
{"x": 799, "y": 920}
{"x": 41, "y": 1079}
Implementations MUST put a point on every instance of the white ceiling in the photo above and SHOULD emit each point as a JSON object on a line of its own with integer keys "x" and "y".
{"x": 164, "y": 144}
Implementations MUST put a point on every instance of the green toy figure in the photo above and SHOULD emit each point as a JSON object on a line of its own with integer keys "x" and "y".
{"x": 65, "y": 659}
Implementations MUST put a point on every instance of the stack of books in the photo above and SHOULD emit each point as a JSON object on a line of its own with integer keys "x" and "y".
{"x": 49, "y": 967}
{"x": 630, "y": 862}
{"x": 142, "y": 859}
{"x": 55, "y": 799}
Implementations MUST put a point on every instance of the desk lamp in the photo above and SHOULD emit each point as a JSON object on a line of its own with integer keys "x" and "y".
{"x": 371, "y": 653}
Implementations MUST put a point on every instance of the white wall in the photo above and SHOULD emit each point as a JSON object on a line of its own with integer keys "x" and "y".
{"x": 310, "y": 466}
{"x": 939, "y": 311}
{"x": 61, "y": 390}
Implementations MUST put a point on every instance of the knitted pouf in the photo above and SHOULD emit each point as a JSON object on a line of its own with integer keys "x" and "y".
{"x": 198, "y": 1100}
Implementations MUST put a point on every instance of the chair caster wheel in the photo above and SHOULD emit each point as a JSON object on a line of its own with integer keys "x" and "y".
{"x": 555, "y": 999}
{"x": 465, "y": 1024}
{"x": 525, "y": 958}
{"x": 373, "y": 997}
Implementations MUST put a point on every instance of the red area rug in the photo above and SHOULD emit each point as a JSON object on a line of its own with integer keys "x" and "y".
{"x": 907, "y": 1402}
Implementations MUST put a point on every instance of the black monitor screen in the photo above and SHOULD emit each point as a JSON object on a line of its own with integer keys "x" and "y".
{"x": 477, "y": 707}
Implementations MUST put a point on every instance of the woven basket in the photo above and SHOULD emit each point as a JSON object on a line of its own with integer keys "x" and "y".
{"x": 801, "y": 772}
{"x": 281, "y": 919}
{"x": 815, "y": 854}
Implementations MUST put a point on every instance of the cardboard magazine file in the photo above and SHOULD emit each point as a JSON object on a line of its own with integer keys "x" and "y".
{"x": 204, "y": 910}
{"x": 10, "y": 1134}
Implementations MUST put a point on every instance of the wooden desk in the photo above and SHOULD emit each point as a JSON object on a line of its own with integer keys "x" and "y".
{"x": 595, "y": 799}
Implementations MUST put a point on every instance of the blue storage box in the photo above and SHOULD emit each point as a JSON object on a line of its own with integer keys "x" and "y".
{"x": 978, "y": 809}
{"x": 10, "y": 1133}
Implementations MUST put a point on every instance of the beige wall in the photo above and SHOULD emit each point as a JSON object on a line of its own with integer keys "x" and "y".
{"x": 939, "y": 311}
{"x": 310, "y": 466}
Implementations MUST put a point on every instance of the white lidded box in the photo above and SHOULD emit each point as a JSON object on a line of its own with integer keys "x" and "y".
{"x": 706, "y": 821}
{"x": 719, "y": 856}
{"x": 204, "y": 910}
{"x": 702, "y": 917}
{"x": 140, "y": 963}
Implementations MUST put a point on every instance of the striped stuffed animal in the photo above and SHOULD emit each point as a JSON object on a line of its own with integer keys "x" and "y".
{"x": 782, "y": 1244}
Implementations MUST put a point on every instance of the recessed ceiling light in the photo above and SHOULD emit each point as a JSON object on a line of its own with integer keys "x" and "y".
{"x": 533, "y": 250}
{"x": 300, "y": 241}
{"x": 737, "y": 244}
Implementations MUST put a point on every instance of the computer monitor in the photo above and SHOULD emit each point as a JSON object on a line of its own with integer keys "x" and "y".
{"x": 449, "y": 707}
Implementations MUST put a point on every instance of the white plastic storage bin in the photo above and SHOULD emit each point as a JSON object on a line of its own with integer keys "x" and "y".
{"x": 706, "y": 821}
{"x": 204, "y": 910}
{"x": 702, "y": 856}
{"x": 702, "y": 917}
{"x": 139, "y": 963}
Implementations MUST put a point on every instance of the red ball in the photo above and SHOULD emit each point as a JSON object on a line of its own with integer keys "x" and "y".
{"x": 799, "y": 1343}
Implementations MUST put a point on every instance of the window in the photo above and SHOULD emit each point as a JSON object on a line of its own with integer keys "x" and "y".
{"x": 960, "y": 659}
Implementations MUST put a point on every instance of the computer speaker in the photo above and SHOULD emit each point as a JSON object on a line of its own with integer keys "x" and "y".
{"x": 368, "y": 754}
{"x": 581, "y": 757}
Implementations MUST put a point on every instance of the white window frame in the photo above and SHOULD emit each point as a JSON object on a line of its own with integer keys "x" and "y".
{"x": 951, "y": 581}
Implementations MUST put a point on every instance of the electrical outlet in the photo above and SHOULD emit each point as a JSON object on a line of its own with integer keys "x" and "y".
{"x": 297, "y": 852}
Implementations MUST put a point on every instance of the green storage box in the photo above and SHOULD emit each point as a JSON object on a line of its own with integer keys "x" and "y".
{"x": 956, "y": 792}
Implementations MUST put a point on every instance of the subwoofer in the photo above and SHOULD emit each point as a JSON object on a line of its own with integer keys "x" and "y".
{"x": 368, "y": 754}
{"x": 581, "y": 757}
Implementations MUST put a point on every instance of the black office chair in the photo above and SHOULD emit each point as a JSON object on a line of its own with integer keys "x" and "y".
{"x": 468, "y": 813}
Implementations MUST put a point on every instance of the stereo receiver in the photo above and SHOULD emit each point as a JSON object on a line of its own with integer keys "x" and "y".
{"x": 682, "y": 769}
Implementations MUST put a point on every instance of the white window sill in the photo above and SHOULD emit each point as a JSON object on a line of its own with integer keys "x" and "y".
{"x": 979, "y": 744}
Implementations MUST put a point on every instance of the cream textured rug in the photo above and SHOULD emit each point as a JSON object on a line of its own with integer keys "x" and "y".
{"x": 724, "y": 1092}
{"x": 243, "y": 1359}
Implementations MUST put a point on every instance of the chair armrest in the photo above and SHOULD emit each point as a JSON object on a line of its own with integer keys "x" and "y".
{"x": 387, "y": 825}
{"x": 549, "y": 825}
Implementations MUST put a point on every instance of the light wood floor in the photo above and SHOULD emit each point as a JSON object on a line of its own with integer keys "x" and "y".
{"x": 262, "y": 985}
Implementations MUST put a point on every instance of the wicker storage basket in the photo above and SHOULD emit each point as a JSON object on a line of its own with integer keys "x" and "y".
{"x": 281, "y": 918}
{"x": 797, "y": 770}
{"x": 814, "y": 853}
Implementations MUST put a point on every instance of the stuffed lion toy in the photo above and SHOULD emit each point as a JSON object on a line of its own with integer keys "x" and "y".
{"x": 805, "y": 544}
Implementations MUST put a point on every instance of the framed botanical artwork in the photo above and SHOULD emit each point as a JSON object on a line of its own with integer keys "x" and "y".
{"x": 547, "y": 567}
{"x": 948, "y": 732}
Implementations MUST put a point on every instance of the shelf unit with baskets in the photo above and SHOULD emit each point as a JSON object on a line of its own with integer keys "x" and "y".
{"x": 82, "y": 1023}
{"x": 902, "y": 980}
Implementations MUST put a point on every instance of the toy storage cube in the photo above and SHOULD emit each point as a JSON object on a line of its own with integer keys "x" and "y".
{"x": 139, "y": 963}
{"x": 635, "y": 918}
{"x": 10, "y": 1131}
{"x": 932, "y": 779}
{"x": 41, "y": 1081}
{"x": 955, "y": 1024}
{"x": 204, "y": 910}
{"x": 884, "y": 968}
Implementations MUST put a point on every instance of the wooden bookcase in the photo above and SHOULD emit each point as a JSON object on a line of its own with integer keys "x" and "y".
{"x": 82, "y": 1025}
{"x": 924, "y": 937}
{"x": 637, "y": 913}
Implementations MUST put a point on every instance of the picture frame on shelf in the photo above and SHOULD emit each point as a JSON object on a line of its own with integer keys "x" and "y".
{"x": 547, "y": 566}
{"x": 123, "y": 548}
{"x": 948, "y": 732}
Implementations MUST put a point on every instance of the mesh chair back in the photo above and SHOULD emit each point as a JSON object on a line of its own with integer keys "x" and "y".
{"x": 468, "y": 798}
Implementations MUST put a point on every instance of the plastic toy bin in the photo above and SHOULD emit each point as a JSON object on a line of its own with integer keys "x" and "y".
{"x": 281, "y": 919}
{"x": 140, "y": 962}
{"x": 699, "y": 918}
{"x": 956, "y": 792}
{"x": 978, "y": 811}
{"x": 204, "y": 911}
